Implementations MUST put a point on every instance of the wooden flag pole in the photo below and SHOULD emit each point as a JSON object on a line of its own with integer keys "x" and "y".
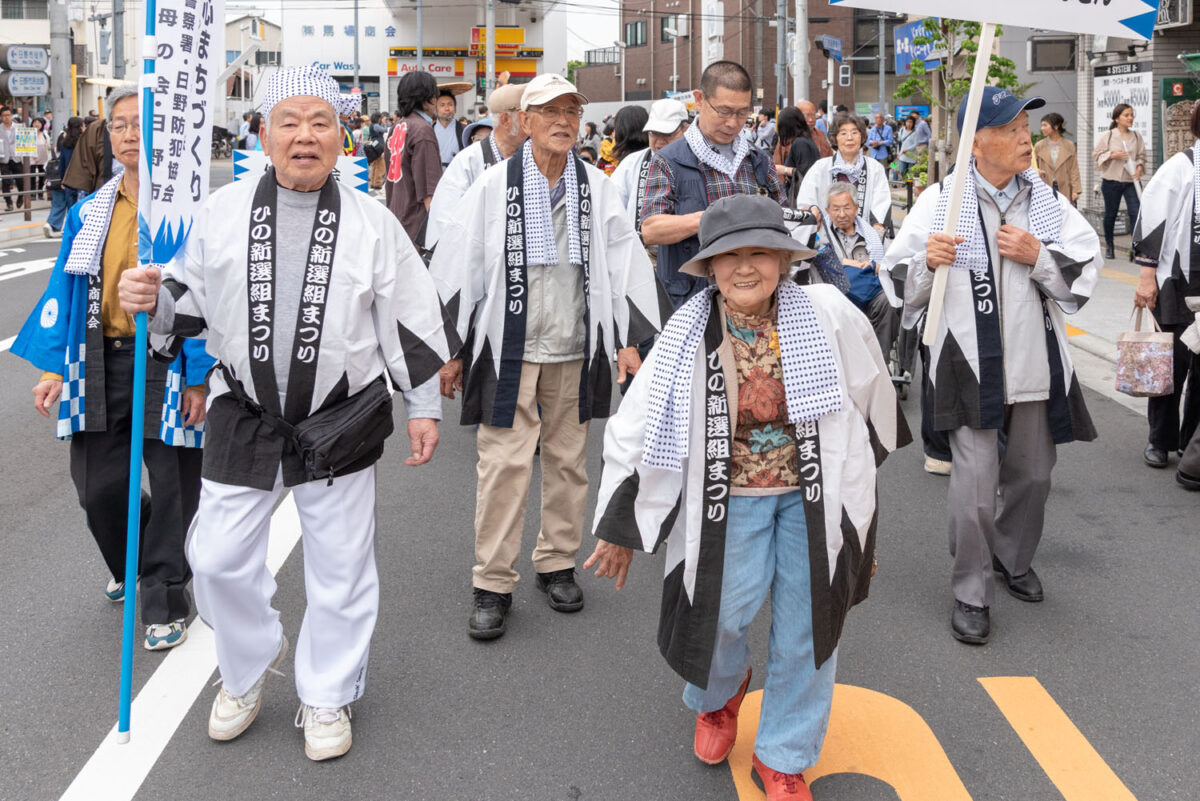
{"x": 962, "y": 163}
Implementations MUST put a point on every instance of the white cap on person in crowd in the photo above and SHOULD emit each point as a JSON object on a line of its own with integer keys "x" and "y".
{"x": 544, "y": 88}
{"x": 666, "y": 116}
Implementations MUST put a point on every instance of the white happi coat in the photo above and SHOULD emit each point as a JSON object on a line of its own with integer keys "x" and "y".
{"x": 1002, "y": 336}
{"x": 625, "y": 302}
{"x": 876, "y": 209}
{"x": 1166, "y": 235}
{"x": 625, "y": 179}
{"x": 382, "y": 313}
{"x": 640, "y": 506}
{"x": 463, "y": 171}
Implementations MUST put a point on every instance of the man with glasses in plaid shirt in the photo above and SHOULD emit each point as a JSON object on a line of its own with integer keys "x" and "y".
{"x": 711, "y": 161}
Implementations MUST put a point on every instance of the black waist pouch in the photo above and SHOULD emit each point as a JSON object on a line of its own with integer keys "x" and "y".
{"x": 335, "y": 437}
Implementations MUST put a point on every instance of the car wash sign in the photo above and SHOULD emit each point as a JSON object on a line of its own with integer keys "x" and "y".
{"x": 1127, "y": 19}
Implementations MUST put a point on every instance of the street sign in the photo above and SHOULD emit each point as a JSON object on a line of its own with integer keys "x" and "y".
{"x": 26, "y": 141}
{"x": 1124, "y": 18}
{"x": 25, "y": 84}
{"x": 832, "y": 46}
{"x": 906, "y": 51}
{"x": 24, "y": 57}
{"x": 1173, "y": 14}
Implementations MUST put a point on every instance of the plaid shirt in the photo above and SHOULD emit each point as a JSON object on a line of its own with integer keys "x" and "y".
{"x": 660, "y": 185}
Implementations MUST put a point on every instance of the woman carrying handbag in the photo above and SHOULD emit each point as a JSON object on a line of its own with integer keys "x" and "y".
{"x": 1120, "y": 156}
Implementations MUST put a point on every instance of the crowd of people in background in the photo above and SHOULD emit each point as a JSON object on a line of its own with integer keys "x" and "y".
{"x": 737, "y": 271}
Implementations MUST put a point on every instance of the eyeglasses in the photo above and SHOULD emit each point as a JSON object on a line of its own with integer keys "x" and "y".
{"x": 553, "y": 113}
{"x": 120, "y": 127}
{"x": 728, "y": 113}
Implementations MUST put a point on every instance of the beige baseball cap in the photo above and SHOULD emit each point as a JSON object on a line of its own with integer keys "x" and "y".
{"x": 505, "y": 98}
{"x": 544, "y": 88}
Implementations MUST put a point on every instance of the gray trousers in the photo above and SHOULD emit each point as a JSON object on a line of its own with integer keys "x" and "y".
{"x": 885, "y": 320}
{"x": 997, "y": 499}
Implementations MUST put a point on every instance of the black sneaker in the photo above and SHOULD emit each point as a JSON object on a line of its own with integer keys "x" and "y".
{"x": 487, "y": 618}
{"x": 561, "y": 590}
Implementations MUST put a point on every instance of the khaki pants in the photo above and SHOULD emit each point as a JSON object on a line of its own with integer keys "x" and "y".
{"x": 375, "y": 173}
{"x": 506, "y": 466}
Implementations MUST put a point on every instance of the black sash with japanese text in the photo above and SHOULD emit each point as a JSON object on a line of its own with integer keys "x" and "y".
{"x": 512, "y": 349}
{"x": 260, "y": 288}
{"x": 643, "y": 176}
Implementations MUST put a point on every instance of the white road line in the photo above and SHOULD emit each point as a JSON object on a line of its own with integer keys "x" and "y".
{"x": 23, "y": 268}
{"x": 116, "y": 772}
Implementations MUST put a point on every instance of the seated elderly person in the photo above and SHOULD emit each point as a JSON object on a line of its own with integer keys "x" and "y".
{"x": 858, "y": 247}
{"x": 749, "y": 425}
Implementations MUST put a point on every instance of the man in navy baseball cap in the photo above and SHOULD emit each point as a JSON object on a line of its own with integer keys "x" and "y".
{"x": 998, "y": 107}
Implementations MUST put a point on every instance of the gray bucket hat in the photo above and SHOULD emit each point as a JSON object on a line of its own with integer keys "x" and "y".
{"x": 740, "y": 221}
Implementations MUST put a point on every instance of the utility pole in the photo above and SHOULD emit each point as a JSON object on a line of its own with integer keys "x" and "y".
{"x": 800, "y": 54}
{"x": 61, "y": 85}
{"x": 882, "y": 63}
{"x": 780, "y": 54}
{"x": 490, "y": 80}
{"x": 759, "y": 20}
{"x": 420, "y": 43}
{"x": 118, "y": 49}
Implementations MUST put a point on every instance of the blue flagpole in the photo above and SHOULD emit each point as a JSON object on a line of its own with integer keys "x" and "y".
{"x": 133, "y": 532}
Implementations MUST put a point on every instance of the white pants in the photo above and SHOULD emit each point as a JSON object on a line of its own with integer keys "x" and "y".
{"x": 227, "y": 550}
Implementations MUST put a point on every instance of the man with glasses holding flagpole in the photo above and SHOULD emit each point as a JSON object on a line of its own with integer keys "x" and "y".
{"x": 711, "y": 161}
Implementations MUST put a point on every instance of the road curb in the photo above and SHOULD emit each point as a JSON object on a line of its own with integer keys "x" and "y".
{"x": 1097, "y": 346}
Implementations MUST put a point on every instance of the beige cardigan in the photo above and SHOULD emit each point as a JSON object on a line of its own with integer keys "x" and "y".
{"x": 1066, "y": 174}
{"x": 1114, "y": 169}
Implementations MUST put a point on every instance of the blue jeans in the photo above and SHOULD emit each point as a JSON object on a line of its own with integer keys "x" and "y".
{"x": 61, "y": 200}
{"x": 766, "y": 549}
{"x": 1113, "y": 191}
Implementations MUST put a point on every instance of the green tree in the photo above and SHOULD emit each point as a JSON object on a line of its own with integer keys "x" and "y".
{"x": 955, "y": 37}
{"x": 571, "y": 67}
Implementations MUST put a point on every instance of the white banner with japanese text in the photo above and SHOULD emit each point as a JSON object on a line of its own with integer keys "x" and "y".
{"x": 174, "y": 169}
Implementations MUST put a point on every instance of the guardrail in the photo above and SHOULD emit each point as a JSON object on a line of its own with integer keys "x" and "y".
{"x": 26, "y": 195}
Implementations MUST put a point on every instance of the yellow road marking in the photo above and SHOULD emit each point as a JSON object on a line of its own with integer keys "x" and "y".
{"x": 869, "y": 733}
{"x": 1069, "y": 760}
{"x": 1117, "y": 275}
{"x": 1072, "y": 331}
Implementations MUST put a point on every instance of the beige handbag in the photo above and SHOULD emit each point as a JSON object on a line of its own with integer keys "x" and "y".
{"x": 1145, "y": 360}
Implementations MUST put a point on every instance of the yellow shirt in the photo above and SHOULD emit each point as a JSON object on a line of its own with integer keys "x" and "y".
{"x": 120, "y": 253}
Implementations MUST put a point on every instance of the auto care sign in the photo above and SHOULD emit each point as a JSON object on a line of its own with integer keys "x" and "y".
{"x": 177, "y": 126}
{"x": 1129, "y": 83}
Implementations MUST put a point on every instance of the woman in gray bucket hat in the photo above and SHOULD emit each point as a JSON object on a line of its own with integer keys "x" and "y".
{"x": 753, "y": 432}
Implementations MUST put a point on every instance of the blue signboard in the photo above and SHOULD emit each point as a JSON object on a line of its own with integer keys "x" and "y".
{"x": 832, "y": 47}
{"x": 904, "y": 111}
{"x": 906, "y": 51}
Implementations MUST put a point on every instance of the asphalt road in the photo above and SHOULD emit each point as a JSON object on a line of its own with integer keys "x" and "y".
{"x": 581, "y": 707}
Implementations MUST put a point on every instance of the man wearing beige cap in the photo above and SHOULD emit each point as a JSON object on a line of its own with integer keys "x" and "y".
{"x": 467, "y": 166}
{"x": 546, "y": 280}
{"x": 668, "y": 122}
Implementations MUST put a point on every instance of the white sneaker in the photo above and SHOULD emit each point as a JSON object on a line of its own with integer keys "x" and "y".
{"x": 160, "y": 636}
{"x": 936, "y": 466}
{"x": 232, "y": 714}
{"x": 326, "y": 731}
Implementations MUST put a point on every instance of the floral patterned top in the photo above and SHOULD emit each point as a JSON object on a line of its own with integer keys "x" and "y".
{"x": 764, "y": 443}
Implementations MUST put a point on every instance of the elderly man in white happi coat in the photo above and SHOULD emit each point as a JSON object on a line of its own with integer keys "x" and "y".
{"x": 1003, "y": 383}
{"x": 546, "y": 280}
{"x": 504, "y": 140}
{"x": 310, "y": 292}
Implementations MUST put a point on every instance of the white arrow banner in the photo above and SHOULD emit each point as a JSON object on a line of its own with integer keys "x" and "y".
{"x": 1127, "y": 19}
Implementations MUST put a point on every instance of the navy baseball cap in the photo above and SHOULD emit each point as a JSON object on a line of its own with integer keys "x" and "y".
{"x": 999, "y": 107}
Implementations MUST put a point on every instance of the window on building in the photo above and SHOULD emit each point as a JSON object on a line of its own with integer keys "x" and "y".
{"x": 267, "y": 58}
{"x": 866, "y": 43}
{"x": 1052, "y": 54}
{"x": 635, "y": 33}
{"x": 666, "y": 21}
{"x": 24, "y": 9}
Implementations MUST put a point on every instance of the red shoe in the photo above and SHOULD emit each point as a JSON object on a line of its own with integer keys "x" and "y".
{"x": 780, "y": 786}
{"x": 716, "y": 731}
